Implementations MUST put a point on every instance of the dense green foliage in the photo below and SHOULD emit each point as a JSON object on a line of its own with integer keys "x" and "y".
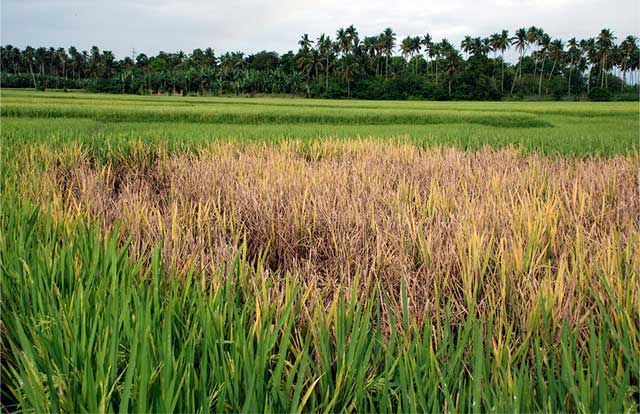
{"x": 350, "y": 66}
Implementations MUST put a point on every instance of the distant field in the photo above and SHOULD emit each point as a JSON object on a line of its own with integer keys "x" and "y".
{"x": 571, "y": 128}
{"x": 165, "y": 254}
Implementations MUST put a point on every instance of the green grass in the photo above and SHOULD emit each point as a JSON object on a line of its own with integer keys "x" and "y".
{"x": 565, "y": 128}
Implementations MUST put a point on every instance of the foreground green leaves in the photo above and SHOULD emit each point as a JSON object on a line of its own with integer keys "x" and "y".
{"x": 86, "y": 328}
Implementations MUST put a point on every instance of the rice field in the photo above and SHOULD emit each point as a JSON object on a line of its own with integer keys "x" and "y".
{"x": 163, "y": 254}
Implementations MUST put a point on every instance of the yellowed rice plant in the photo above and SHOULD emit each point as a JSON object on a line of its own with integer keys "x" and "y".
{"x": 493, "y": 232}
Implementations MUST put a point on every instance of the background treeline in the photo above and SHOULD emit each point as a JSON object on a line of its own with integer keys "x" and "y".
{"x": 352, "y": 66}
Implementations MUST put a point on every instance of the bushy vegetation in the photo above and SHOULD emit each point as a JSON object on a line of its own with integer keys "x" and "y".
{"x": 350, "y": 66}
{"x": 194, "y": 266}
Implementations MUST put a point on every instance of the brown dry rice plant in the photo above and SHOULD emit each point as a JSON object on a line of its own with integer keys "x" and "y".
{"x": 493, "y": 232}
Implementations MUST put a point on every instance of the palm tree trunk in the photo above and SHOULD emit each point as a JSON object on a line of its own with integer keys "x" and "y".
{"x": 570, "y": 70}
{"x": 541, "y": 73}
{"x": 495, "y": 54}
{"x": 386, "y": 71}
{"x": 436, "y": 71}
{"x": 553, "y": 67}
{"x": 326, "y": 76}
{"x": 515, "y": 76}
{"x": 33, "y": 76}
{"x": 502, "y": 77}
{"x": 604, "y": 62}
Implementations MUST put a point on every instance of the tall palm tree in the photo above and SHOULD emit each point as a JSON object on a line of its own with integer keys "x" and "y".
{"x": 572, "y": 51}
{"x": 351, "y": 68}
{"x": 389, "y": 42}
{"x": 352, "y": 37}
{"x": 107, "y": 63}
{"x": 305, "y": 59}
{"x": 452, "y": 60}
{"x": 533, "y": 39}
{"x": 628, "y": 47}
{"x": 28, "y": 57}
{"x": 369, "y": 48}
{"x": 503, "y": 43}
{"x": 41, "y": 58}
{"x": 521, "y": 43}
{"x": 591, "y": 56}
{"x": 435, "y": 53}
{"x": 415, "y": 46}
{"x": 326, "y": 50}
{"x": 604, "y": 44}
{"x": 556, "y": 49}
{"x": 427, "y": 42}
{"x": 63, "y": 57}
{"x": 485, "y": 45}
{"x": 305, "y": 43}
{"x": 466, "y": 45}
{"x": 405, "y": 46}
{"x": 409, "y": 46}
{"x": 94, "y": 61}
{"x": 543, "y": 42}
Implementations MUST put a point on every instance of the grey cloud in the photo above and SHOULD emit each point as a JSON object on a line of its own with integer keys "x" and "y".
{"x": 252, "y": 25}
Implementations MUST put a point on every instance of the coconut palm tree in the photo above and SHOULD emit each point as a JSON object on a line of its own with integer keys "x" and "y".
{"x": 627, "y": 48}
{"x": 352, "y": 37}
{"x": 493, "y": 42}
{"x": 533, "y": 39}
{"x": 521, "y": 43}
{"x": 306, "y": 60}
{"x": 556, "y": 49}
{"x": 388, "y": 38}
{"x": 466, "y": 45}
{"x": 325, "y": 47}
{"x": 486, "y": 46}
{"x": 63, "y": 57}
{"x": 427, "y": 42}
{"x": 502, "y": 44}
{"x": 350, "y": 70}
{"x": 435, "y": 53}
{"x": 452, "y": 61}
{"x": 305, "y": 43}
{"x": 573, "y": 52}
{"x": 28, "y": 56}
{"x": 369, "y": 49}
{"x": 405, "y": 46}
{"x": 589, "y": 48}
{"x": 605, "y": 45}
{"x": 415, "y": 46}
{"x": 544, "y": 42}
{"x": 41, "y": 58}
{"x": 408, "y": 47}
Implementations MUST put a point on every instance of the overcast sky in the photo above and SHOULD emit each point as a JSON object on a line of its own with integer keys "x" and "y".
{"x": 252, "y": 25}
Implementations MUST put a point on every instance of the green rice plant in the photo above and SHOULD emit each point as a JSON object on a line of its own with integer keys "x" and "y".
{"x": 86, "y": 328}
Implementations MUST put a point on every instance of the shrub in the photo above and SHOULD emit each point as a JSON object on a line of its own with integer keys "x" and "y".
{"x": 599, "y": 95}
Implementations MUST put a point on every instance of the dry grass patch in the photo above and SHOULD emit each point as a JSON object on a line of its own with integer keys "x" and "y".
{"x": 493, "y": 232}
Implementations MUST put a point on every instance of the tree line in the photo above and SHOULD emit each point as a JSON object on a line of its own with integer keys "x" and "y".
{"x": 369, "y": 67}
